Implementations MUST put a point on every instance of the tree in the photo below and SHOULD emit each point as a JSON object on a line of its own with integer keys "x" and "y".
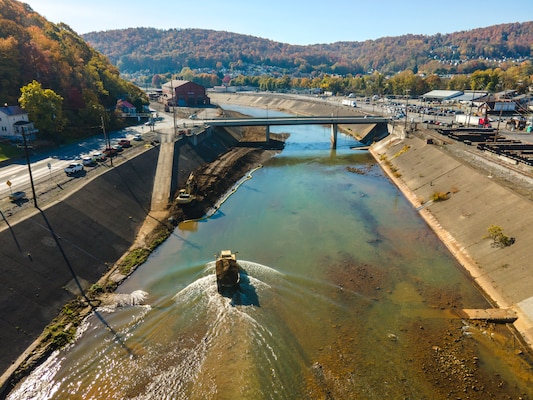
{"x": 44, "y": 108}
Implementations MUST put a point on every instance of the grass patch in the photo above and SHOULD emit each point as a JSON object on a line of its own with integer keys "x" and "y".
{"x": 403, "y": 150}
{"x": 133, "y": 259}
{"x": 8, "y": 151}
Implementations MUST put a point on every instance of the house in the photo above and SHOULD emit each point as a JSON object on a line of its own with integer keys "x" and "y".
{"x": 14, "y": 123}
{"x": 126, "y": 109}
{"x": 184, "y": 94}
{"x": 496, "y": 103}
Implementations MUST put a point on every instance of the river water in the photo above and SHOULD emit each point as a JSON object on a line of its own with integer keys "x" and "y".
{"x": 340, "y": 280}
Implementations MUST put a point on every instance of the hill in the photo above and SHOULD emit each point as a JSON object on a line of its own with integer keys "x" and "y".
{"x": 32, "y": 48}
{"x": 160, "y": 51}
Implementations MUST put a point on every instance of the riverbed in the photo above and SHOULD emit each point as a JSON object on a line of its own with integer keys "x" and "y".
{"x": 345, "y": 293}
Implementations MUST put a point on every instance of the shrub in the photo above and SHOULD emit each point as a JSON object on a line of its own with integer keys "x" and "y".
{"x": 439, "y": 196}
{"x": 499, "y": 239}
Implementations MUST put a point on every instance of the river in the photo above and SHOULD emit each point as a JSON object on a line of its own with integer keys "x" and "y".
{"x": 345, "y": 293}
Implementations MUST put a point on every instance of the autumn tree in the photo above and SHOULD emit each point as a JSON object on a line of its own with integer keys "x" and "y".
{"x": 44, "y": 108}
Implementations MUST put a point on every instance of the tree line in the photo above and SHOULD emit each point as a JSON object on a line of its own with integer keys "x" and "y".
{"x": 161, "y": 51}
{"x": 65, "y": 85}
{"x": 511, "y": 76}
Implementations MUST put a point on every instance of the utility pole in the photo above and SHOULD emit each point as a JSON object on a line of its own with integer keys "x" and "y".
{"x": 406, "y": 106}
{"x": 107, "y": 141}
{"x": 29, "y": 168}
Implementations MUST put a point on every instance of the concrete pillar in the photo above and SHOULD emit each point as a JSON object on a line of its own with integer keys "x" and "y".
{"x": 267, "y": 129}
{"x": 334, "y": 130}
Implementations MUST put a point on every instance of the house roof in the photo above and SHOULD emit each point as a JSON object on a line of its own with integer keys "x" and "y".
{"x": 127, "y": 104}
{"x": 12, "y": 110}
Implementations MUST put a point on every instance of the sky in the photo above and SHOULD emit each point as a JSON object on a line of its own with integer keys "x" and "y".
{"x": 289, "y": 21}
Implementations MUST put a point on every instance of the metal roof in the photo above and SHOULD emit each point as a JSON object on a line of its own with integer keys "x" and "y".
{"x": 442, "y": 94}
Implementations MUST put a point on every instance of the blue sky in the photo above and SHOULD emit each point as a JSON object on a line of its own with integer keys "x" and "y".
{"x": 289, "y": 21}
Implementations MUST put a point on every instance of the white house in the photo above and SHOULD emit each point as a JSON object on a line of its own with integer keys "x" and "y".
{"x": 14, "y": 123}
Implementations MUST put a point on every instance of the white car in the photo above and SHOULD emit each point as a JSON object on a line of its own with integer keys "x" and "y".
{"x": 98, "y": 156}
{"x": 88, "y": 161}
{"x": 73, "y": 169}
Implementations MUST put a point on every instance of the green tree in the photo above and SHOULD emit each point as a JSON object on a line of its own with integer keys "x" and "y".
{"x": 44, "y": 108}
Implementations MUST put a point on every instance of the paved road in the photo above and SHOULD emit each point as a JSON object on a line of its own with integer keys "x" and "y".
{"x": 48, "y": 165}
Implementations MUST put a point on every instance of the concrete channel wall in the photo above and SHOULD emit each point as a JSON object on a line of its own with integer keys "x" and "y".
{"x": 95, "y": 226}
{"x": 475, "y": 201}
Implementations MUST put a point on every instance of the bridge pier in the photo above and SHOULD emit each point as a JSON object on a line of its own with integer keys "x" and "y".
{"x": 334, "y": 131}
{"x": 267, "y": 131}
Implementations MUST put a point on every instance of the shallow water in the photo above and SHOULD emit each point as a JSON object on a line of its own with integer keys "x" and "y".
{"x": 336, "y": 266}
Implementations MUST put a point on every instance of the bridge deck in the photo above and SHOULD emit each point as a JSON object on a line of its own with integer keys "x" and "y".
{"x": 314, "y": 120}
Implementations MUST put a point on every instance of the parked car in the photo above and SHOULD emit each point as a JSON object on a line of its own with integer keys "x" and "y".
{"x": 17, "y": 196}
{"x": 110, "y": 152}
{"x": 125, "y": 143}
{"x": 73, "y": 169}
{"x": 99, "y": 157}
{"x": 88, "y": 161}
{"x": 137, "y": 137}
{"x": 118, "y": 148}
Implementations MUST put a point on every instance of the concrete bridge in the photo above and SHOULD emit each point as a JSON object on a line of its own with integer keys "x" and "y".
{"x": 380, "y": 123}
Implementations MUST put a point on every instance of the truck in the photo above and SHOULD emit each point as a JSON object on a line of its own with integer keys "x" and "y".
{"x": 349, "y": 103}
{"x": 472, "y": 120}
{"x": 73, "y": 169}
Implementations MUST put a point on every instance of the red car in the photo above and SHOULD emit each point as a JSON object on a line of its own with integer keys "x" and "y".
{"x": 124, "y": 143}
{"x": 110, "y": 152}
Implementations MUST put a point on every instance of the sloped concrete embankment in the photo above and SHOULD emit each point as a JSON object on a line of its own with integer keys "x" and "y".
{"x": 474, "y": 203}
{"x": 96, "y": 225}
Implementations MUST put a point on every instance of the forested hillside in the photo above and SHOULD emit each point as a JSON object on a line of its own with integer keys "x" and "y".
{"x": 162, "y": 51}
{"x": 83, "y": 81}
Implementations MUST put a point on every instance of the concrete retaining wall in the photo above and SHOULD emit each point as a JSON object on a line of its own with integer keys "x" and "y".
{"x": 95, "y": 226}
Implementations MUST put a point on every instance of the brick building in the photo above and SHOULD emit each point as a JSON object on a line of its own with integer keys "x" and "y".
{"x": 184, "y": 94}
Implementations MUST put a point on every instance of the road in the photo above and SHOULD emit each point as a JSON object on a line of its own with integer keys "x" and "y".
{"x": 49, "y": 165}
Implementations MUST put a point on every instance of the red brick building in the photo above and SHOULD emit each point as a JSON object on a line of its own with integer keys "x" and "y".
{"x": 184, "y": 94}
